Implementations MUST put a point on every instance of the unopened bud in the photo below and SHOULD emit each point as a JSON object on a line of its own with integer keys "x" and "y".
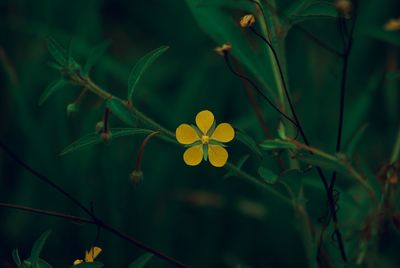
{"x": 71, "y": 108}
{"x": 99, "y": 126}
{"x": 136, "y": 177}
{"x": 105, "y": 136}
{"x": 392, "y": 25}
{"x": 247, "y": 21}
{"x": 221, "y": 50}
{"x": 343, "y": 6}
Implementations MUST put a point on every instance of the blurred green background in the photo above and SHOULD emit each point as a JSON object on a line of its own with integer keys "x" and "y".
{"x": 190, "y": 213}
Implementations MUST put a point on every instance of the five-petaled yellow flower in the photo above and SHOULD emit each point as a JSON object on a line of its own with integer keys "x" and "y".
{"x": 89, "y": 255}
{"x": 205, "y": 140}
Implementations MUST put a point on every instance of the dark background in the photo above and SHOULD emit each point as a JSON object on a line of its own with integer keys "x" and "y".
{"x": 190, "y": 213}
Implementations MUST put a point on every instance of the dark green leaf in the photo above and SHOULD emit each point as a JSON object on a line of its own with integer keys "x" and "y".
{"x": 248, "y": 142}
{"x": 95, "y": 138}
{"x": 267, "y": 175}
{"x": 315, "y": 11}
{"x": 43, "y": 264}
{"x": 316, "y": 160}
{"x": 141, "y": 66}
{"x": 52, "y": 88}
{"x": 141, "y": 261}
{"x": 16, "y": 258}
{"x": 94, "y": 56}
{"x": 391, "y": 37}
{"x": 121, "y": 111}
{"x": 239, "y": 166}
{"x": 57, "y": 51}
{"x": 276, "y": 144}
{"x": 242, "y": 5}
{"x": 38, "y": 246}
{"x": 355, "y": 140}
{"x": 94, "y": 264}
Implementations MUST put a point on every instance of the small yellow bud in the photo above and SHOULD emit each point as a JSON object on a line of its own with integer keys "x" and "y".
{"x": 343, "y": 6}
{"x": 136, "y": 177}
{"x": 247, "y": 21}
{"x": 105, "y": 136}
{"x": 99, "y": 126}
{"x": 392, "y": 25}
{"x": 221, "y": 50}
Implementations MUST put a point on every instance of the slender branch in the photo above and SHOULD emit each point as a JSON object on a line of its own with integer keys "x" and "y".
{"x": 95, "y": 219}
{"x": 228, "y": 63}
{"x": 48, "y": 213}
{"x": 329, "y": 192}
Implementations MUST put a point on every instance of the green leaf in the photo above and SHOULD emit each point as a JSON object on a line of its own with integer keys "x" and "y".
{"x": 379, "y": 33}
{"x": 121, "y": 111}
{"x": 94, "y": 264}
{"x": 267, "y": 175}
{"x": 239, "y": 165}
{"x": 141, "y": 261}
{"x": 52, "y": 88}
{"x": 43, "y": 264}
{"x": 38, "y": 246}
{"x": 94, "y": 56}
{"x": 57, "y": 51}
{"x": 248, "y": 142}
{"x": 318, "y": 10}
{"x": 355, "y": 140}
{"x": 276, "y": 144}
{"x": 16, "y": 258}
{"x": 141, "y": 66}
{"x": 95, "y": 138}
{"x": 329, "y": 164}
{"x": 242, "y": 5}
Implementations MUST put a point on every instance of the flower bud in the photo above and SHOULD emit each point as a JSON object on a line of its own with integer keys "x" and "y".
{"x": 247, "y": 21}
{"x": 105, "y": 136}
{"x": 72, "y": 108}
{"x": 135, "y": 177}
{"x": 392, "y": 25}
{"x": 343, "y": 6}
{"x": 225, "y": 48}
{"x": 99, "y": 126}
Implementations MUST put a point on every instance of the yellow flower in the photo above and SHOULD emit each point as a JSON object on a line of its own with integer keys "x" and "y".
{"x": 221, "y": 50}
{"x": 205, "y": 140}
{"x": 89, "y": 255}
{"x": 392, "y": 25}
{"x": 247, "y": 21}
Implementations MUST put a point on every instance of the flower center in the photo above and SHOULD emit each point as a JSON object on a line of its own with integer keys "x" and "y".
{"x": 205, "y": 139}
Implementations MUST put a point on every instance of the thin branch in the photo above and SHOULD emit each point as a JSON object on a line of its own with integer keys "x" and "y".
{"x": 97, "y": 221}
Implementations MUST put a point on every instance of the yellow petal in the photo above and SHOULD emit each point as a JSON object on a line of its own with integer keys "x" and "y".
{"x": 76, "y": 262}
{"x": 204, "y": 120}
{"x": 217, "y": 155}
{"x": 224, "y": 132}
{"x": 92, "y": 254}
{"x": 193, "y": 155}
{"x": 185, "y": 134}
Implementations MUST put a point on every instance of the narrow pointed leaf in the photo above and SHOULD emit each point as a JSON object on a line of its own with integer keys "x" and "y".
{"x": 95, "y": 138}
{"x": 141, "y": 261}
{"x": 94, "y": 56}
{"x": 267, "y": 175}
{"x": 43, "y": 264}
{"x": 38, "y": 246}
{"x": 16, "y": 258}
{"x": 248, "y": 142}
{"x": 57, "y": 51}
{"x": 240, "y": 163}
{"x": 121, "y": 111}
{"x": 52, "y": 88}
{"x": 141, "y": 66}
{"x": 276, "y": 144}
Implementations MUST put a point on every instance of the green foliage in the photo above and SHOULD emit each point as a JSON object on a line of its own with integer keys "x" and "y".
{"x": 95, "y": 138}
{"x": 276, "y": 144}
{"x": 141, "y": 66}
{"x": 121, "y": 110}
{"x": 94, "y": 264}
{"x": 94, "y": 56}
{"x": 141, "y": 261}
{"x": 267, "y": 175}
{"x": 51, "y": 89}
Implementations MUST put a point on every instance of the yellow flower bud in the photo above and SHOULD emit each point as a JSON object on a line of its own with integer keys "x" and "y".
{"x": 247, "y": 21}
{"x": 392, "y": 25}
{"x": 343, "y": 6}
{"x": 221, "y": 50}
